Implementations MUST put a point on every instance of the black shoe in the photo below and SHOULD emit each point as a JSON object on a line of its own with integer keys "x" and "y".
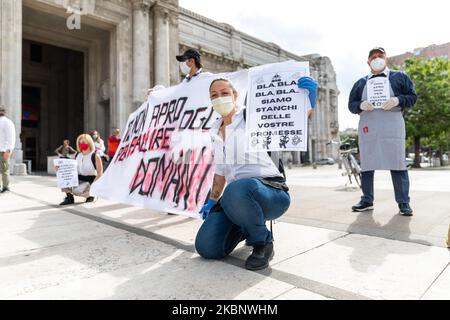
{"x": 259, "y": 259}
{"x": 405, "y": 209}
{"x": 90, "y": 199}
{"x": 362, "y": 206}
{"x": 5, "y": 190}
{"x": 68, "y": 200}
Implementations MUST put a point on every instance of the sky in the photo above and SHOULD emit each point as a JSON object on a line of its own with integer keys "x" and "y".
{"x": 344, "y": 31}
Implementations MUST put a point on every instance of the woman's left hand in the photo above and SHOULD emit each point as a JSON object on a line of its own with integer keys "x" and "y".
{"x": 311, "y": 85}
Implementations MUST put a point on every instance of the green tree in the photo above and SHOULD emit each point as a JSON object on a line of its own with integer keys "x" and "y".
{"x": 430, "y": 118}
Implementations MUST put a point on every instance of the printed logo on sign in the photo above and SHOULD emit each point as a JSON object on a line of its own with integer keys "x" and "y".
{"x": 276, "y": 78}
{"x": 283, "y": 141}
{"x": 266, "y": 142}
{"x": 296, "y": 140}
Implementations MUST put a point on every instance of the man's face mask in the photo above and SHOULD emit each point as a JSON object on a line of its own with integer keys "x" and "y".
{"x": 185, "y": 69}
{"x": 378, "y": 64}
{"x": 223, "y": 105}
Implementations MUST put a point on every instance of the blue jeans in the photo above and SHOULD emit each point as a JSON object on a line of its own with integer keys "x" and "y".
{"x": 246, "y": 205}
{"x": 400, "y": 179}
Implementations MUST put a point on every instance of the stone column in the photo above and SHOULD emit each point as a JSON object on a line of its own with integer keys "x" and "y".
{"x": 162, "y": 47}
{"x": 11, "y": 72}
{"x": 174, "y": 44}
{"x": 122, "y": 74}
{"x": 141, "y": 50}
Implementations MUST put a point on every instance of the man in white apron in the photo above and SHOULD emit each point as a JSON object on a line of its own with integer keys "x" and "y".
{"x": 380, "y": 99}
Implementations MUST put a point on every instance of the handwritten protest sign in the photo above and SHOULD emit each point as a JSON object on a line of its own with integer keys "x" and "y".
{"x": 378, "y": 91}
{"x": 165, "y": 159}
{"x": 67, "y": 174}
{"x": 277, "y": 109}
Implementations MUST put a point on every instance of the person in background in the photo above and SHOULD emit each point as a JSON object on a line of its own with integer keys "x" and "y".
{"x": 113, "y": 143}
{"x": 382, "y": 132}
{"x": 7, "y": 143}
{"x": 99, "y": 145}
{"x": 89, "y": 167}
{"x": 190, "y": 65}
{"x": 65, "y": 150}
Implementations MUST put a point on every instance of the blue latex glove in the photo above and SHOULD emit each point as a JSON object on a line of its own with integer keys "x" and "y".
{"x": 207, "y": 208}
{"x": 309, "y": 84}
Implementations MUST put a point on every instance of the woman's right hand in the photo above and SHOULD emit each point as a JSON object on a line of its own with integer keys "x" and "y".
{"x": 206, "y": 209}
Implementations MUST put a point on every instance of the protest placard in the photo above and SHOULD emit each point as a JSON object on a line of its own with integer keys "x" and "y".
{"x": 67, "y": 174}
{"x": 277, "y": 109}
{"x": 165, "y": 158}
{"x": 378, "y": 91}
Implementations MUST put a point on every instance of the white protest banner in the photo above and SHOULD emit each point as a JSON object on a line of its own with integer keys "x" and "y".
{"x": 165, "y": 158}
{"x": 67, "y": 174}
{"x": 277, "y": 111}
{"x": 378, "y": 91}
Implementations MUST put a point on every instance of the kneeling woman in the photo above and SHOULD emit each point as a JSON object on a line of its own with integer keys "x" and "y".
{"x": 90, "y": 168}
{"x": 256, "y": 190}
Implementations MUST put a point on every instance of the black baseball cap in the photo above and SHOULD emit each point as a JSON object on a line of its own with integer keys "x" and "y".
{"x": 189, "y": 54}
{"x": 379, "y": 49}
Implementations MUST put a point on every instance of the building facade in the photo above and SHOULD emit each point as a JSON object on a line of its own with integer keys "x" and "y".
{"x": 72, "y": 66}
{"x": 432, "y": 51}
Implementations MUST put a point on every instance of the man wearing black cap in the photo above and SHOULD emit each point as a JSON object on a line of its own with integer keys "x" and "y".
{"x": 381, "y": 130}
{"x": 190, "y": 64}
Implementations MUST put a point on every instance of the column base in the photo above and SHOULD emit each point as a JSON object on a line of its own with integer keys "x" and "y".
{"x": 19, "y": 169}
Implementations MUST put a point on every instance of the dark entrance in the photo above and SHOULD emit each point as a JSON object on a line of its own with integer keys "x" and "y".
{"x": 31, "y": 108}
{"x": 52, "y": 100}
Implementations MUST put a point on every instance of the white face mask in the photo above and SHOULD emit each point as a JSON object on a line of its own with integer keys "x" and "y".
{"x": 378, "y": 64}
{"x": 223, "y": 105}
{"x": 185, "y": 69}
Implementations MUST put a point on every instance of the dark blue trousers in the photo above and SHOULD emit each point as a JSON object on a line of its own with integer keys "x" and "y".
{"x": 246, "y": 206}
{"x": 400, "y": 179}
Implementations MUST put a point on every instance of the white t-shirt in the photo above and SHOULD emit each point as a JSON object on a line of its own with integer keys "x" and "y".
{"x": 7, "y": 134}
{"x": 232, "y": 161}
{"x": 85, "y": 166}
{"x": 100, "y": 147}
{"x": 199, "y": 74}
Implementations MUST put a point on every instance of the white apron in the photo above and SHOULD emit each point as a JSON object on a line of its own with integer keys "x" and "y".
{"x": 382, "y": 138}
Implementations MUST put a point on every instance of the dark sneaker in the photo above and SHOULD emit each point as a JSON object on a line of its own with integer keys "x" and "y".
{"x": 405, "y": 209}
{"x": 259, "y": 259}
{"x": 90, "y": 199}
{"x": 362, "y": 206}
{"x": 68, "y": 200}
{"x": 5, "y": 190}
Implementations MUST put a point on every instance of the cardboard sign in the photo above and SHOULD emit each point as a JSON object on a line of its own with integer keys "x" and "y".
{"x": 67, "y": 174}
{"x": 378, "y": 91}
{"x": 277, "y": 108}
